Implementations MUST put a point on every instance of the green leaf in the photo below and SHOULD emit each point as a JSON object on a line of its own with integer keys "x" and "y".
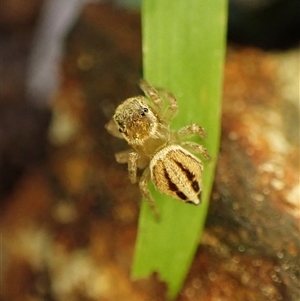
{"x": 183, "y": 52}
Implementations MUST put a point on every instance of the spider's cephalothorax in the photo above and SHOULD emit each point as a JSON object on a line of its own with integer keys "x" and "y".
{"x": 144, "y": 123}
{"x": 140, "y": 125}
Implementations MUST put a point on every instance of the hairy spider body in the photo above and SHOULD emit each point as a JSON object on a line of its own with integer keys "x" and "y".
{"x": 144, "y": 123}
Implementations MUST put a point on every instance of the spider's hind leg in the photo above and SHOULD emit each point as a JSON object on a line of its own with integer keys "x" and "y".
{"x": 198, "y": 148}
{"x": 190, "y": 130}
{"x": 143, "y": 184}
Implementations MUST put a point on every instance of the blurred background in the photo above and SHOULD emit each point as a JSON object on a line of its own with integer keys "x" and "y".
{"x": 32, "y": 45}
{"x": 65, "y": 66}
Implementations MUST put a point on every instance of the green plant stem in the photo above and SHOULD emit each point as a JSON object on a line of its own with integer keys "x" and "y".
{"x": 183, "y": 52}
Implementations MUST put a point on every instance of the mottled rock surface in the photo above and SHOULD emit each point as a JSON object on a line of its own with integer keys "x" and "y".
{"x": 69, "y": 227}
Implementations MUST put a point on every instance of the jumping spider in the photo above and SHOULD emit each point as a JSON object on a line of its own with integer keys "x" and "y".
{"x": 144, "y": 123}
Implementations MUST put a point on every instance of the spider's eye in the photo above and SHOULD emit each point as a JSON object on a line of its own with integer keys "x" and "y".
{"x": 145, "y": 110}
{"x": 121, "y": 127}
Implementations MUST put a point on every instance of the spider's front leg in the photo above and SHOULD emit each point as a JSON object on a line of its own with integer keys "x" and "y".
{"x": 143, "y": 184}
{"x": 132, "y": 166}
{"x": 152, "y": 93}
{"x": 172, "y": 107}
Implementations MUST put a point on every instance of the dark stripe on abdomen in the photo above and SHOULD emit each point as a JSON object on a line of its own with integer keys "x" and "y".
{"x": 173, "y": 187}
